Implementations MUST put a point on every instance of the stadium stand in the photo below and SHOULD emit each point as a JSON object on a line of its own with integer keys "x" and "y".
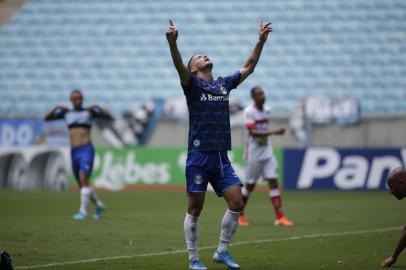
{"x": 135, "y": 127}
{"x": 116, "y": 51}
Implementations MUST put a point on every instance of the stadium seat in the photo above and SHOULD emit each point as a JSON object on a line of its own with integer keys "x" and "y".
{"x": 119, "y": 49}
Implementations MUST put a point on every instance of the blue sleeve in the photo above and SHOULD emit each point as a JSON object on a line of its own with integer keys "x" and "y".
{"x": 96, "y": 112}
{"x": 59, "y": 114}
{"x": 191, "y": 86}
{"x": 233, "y": 80}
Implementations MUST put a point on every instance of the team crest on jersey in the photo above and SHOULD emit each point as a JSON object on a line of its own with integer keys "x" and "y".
{"x": 223, "y": 90}
{"x": 196, "y": 143}
{"x": 198, "y": 179}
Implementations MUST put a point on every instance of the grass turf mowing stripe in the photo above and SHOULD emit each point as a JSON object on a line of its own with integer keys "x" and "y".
{"x": 300, "y": 237}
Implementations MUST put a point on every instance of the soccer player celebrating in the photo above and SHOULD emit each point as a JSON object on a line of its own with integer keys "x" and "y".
{"x": 259, "y": 157}
{"x": 397, "y": 186}
{"x": 209, "y": 140}
{"x": 79, "y": 121}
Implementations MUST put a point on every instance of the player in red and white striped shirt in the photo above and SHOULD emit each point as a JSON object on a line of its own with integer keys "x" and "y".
{"x": 259, "y": 157}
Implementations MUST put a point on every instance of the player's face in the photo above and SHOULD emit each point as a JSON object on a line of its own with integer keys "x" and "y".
{"x": 397, "y": 188}
{"x": 259, "y": 97}
{"x": 201, "y": 63}
{"x": 77, "y": 100}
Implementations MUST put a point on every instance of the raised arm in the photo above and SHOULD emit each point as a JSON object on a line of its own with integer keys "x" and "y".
{"x": 252, "y": 61}
{"x": 172, "y": 36}
{"x": 56, "y": 113}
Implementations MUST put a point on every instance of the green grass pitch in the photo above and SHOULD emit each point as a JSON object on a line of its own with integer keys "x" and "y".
{"x": 144, "y": 230}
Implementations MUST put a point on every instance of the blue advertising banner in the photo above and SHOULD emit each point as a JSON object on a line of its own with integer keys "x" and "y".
{"x": 342, "y": 169}
{"x": 20, "y": 132}
{"x": 56, "y": 133}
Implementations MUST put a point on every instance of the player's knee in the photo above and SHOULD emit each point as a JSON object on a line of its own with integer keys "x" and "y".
{"x": 83, "y": 183}
{"x": 250, "y": 187}
{"x": 236, "y": 206}
{"x": 195, "y": 211}
{"x": 83, "y": 180}
{"x": 273, "y": 183}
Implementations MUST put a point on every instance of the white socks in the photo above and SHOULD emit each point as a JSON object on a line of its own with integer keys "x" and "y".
{"x": 95, "y": 200}
{"x": 274, "y": 192}
{"x": 87, "y": 194}
{"x": 229, "y": 226}
{"x": 191, "y": 228}
{"x": 84, "y": 199}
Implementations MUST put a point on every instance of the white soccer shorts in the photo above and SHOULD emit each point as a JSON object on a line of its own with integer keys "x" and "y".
{"x": 265, "y": 168}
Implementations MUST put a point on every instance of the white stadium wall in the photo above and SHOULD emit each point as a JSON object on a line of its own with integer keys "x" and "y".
{"x": 382, "y": 131}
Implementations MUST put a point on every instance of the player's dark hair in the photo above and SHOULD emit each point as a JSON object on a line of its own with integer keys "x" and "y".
{"x": 254, "y": 89}
{"x": 188, "y": 64}
{"x": 76, "y": 91}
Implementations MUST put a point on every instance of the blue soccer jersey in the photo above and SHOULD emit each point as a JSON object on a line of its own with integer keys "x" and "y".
{"x": 209, "y": 116}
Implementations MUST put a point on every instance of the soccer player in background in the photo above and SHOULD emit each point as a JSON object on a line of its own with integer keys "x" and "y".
{"x": 397, "y": 187}
{"x": 259, "y": 157}
{"x": 79, "y": 121}
{"x": 209, "y": 140}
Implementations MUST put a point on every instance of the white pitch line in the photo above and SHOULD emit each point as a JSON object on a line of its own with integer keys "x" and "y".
{"x": 271, "y": 240}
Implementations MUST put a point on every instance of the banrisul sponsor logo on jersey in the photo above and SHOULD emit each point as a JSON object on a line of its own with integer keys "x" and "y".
{"x": 345, "y": 169}
{"x": 212, "y": 98}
